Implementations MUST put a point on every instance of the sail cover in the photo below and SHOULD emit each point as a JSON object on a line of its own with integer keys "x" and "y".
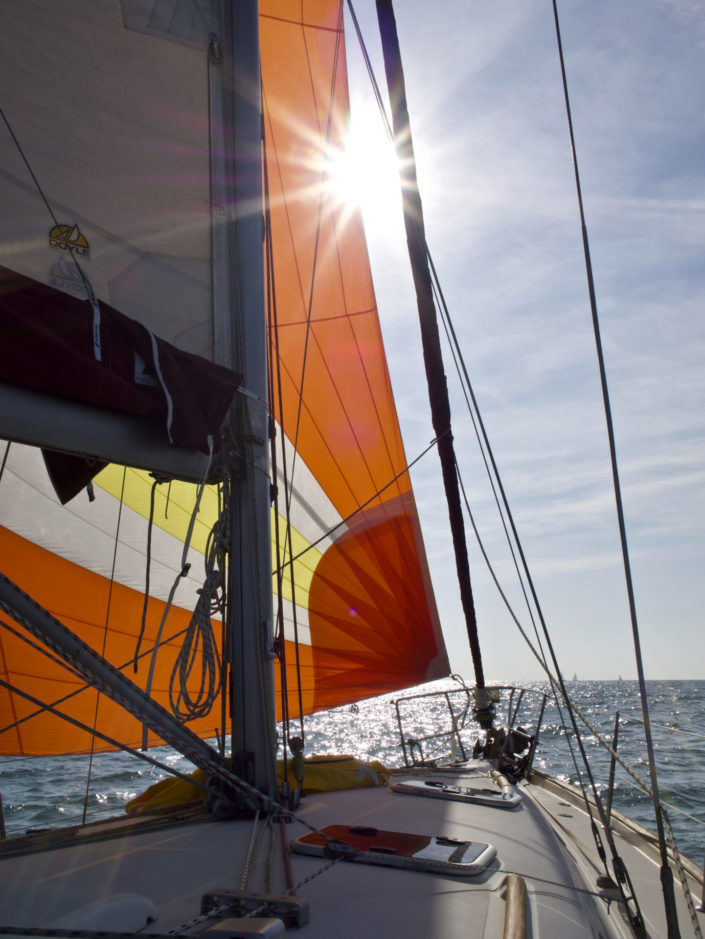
{"x": 108, "y": 163}
{"x": 62, "y": 346}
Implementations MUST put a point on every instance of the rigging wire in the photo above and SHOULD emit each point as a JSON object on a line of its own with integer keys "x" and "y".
{"x": 274, "y": 359}
{"x": 105, "y": 638}
{"x": 376, "y": 495}
{"x": 638, "y": 785}
{"x": 371, "y": 74}
{"x": 485, "y": 450}
{"x": 286, "y": 559}
{"x": 638, "y": 782}
{"x": 438, "y": 294}
{"x": 84, "y": 279}
{"x": 502, "y": 508}
{"x": 287, "y": 551}
{"x": 321, "y": 199}
{"x": 666, "y": 873}
{"x": 4, "y": 458}
{"x": 625, "y": 886}
{"x": 116, "y": 744}
{"x": 459, "y": 363}
{"x": 28, "y": 166}
{"x": 673, "y": 730}
{"x": 58, "y": 661}
{"x": 249, "y": 854}
{"x": 145, "y": 604}
{"x": 428, "y": 322}
{"x": 326, "y": 149}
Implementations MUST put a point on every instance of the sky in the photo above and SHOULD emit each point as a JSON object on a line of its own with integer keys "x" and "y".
{"x": 496, "y": 178}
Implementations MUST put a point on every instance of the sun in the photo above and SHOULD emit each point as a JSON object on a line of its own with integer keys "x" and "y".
{"x": 363, "y": 173}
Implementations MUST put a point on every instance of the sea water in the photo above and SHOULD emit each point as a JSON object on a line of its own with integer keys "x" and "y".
{"x": 46, "y": 792}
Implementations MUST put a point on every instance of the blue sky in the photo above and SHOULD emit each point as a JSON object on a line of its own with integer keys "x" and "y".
{"x": 496, "y": 177}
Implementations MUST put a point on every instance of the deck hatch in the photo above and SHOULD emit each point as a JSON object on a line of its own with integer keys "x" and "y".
{"x": 420, "y": 852}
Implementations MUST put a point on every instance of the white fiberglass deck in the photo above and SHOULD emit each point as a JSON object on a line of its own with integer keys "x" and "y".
{"x": 174, "y": 866}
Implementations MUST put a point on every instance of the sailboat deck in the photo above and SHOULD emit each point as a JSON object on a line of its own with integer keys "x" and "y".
{"x": 174, "y": 866}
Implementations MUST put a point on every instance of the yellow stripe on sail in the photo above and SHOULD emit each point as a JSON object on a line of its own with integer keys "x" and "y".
{"x": 303, "y": 566}
{"x": 173, "y": 506}
{"x": 173, "y": 502}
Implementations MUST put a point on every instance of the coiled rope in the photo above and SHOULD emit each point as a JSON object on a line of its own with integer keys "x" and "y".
{"x": 200, "y": 641}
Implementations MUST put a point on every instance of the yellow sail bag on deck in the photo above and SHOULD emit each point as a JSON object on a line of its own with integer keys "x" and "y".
{"x": 322, "y": 774}
{"x": 328, "y": 773}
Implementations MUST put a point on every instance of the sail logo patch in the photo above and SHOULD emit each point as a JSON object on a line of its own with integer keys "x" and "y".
{"x": 69, "y": 238}
{"x": 64, "y": 276}
{"x": 145, "y": 374}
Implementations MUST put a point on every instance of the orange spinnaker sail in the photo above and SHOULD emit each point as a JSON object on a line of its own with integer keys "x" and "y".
{"x": 361, "y": 594}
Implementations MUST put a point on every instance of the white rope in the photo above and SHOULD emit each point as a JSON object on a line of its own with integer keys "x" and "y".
{"x": 183, "y": 571}
{"x": 199, "y": 633}
{"x": 200, "y": 637}
{"x": 162, "y": 382}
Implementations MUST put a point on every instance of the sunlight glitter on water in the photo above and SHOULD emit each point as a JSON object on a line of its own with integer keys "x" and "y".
{"x": 51, "y": 792}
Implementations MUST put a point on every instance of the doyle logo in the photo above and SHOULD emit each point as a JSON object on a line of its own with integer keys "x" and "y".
{"x": 69, "y": 238}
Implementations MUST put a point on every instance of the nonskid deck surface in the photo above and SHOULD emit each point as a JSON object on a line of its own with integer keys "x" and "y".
{"x": 638, "y": 849}
{"x": 173, "y": 867}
